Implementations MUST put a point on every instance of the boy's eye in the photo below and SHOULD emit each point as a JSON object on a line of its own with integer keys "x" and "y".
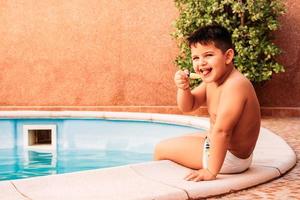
{"x": 195, "y": 58}
{"x": 209, "y": 55}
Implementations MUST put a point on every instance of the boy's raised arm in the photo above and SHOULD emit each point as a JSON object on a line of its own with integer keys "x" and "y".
{"x": 188, "y": 100}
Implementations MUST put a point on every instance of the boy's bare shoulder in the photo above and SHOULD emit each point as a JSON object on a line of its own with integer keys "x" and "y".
{"x": 237, "y": 82}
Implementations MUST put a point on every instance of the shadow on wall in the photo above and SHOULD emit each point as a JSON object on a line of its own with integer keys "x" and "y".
{"x": 284, "y": 88}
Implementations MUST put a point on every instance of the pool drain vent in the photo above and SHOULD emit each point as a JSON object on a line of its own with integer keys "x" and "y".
{"x": 39, "y": 137}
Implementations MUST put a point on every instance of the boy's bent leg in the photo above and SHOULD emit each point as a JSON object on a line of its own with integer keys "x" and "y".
{"x": 185, "y": 150}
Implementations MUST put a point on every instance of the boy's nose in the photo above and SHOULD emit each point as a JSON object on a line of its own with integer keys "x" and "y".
{"x": 202, "y": 62}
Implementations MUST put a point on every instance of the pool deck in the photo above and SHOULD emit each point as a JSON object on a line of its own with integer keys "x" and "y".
{"x": 287, "y": 186}
{"x": 284, "y": 187}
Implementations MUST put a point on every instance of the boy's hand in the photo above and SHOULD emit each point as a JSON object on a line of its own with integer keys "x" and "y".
{"x": 200, "y": 175}
{"x": 181, "y": 79}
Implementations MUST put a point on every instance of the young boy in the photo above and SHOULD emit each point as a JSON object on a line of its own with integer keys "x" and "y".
{"x": 232, "y": 106}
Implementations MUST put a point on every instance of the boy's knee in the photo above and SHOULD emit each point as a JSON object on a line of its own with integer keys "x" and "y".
{"x": 159, "y": 151}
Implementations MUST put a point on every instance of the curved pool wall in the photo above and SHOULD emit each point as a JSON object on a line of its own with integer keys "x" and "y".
{"x": 94, "y": 133}
{"x": 82, "y": 133}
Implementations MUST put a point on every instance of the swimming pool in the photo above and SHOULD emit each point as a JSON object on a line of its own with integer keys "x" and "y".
{"x": 80, "y": 144}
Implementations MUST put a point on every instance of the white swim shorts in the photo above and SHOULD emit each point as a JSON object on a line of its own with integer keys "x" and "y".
{"x": 231, "y": 164}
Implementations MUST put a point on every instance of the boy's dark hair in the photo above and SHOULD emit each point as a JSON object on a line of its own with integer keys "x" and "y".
{"x": 216, "y": 34}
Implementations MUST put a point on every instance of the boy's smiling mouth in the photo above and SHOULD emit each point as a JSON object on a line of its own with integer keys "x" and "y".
{"x": 206, "y": 71}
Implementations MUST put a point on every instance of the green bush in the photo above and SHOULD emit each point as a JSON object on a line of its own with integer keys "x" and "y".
{"x": 251, "y": 23}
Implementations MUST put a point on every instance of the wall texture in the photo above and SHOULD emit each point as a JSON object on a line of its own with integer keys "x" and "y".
{"x": 93, "y": 53}
{"x": 86, "y": 53}
{"x": 284, "y": 89}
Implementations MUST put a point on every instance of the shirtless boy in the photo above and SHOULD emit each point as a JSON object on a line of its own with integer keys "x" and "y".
{"x": 232, "y": 106}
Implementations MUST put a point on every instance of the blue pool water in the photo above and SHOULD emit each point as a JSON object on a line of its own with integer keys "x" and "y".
{"x": 82, "y": 144}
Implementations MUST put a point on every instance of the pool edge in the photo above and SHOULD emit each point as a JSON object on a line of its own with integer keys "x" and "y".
{"x": 191, "y": 191}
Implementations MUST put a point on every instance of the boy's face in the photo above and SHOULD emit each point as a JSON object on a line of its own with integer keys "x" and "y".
{"x": 210, "y": 62}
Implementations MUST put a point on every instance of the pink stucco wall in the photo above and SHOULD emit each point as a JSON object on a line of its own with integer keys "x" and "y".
{"x": 108, "y": 53}
{"x": 86, "y": 52}
{"x": 284, "y": 89}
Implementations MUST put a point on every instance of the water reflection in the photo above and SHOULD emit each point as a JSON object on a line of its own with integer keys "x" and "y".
{"x": 16, "y": 164}
{"x": 29, "y": 163}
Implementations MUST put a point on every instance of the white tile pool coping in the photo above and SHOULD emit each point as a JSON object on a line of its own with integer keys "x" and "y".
{"x": 161, "y": 180}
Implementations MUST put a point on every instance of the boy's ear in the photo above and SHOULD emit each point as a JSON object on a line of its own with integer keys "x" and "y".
{"x": 229, "y": 56}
